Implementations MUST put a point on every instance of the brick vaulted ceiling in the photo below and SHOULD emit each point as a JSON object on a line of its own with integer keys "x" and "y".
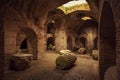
{"x": 39, "y": 8}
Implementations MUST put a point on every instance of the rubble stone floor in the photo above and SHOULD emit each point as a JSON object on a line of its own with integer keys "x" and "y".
{"x": 45, "y": 69}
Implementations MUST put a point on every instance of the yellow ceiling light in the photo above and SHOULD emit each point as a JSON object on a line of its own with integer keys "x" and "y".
{"x": 86, "y": 18}
{"x": 74, "y": 6}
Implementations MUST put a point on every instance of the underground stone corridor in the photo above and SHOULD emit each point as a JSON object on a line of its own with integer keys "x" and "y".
{"x": 59, "y": 40}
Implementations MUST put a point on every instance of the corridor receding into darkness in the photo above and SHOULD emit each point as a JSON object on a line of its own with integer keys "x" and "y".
{"x": 59, "y": 40}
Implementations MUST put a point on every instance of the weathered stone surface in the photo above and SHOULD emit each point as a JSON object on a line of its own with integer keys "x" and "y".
{"x": 20, "y": 61}
{"x": 23, "y": 55}
{"x": 65, "y": 61}
{"x": 32, "y": 14}
{"x": 95, "y": 54}
{"x": 81, "y": 51}
{"x": 62, "y": 52}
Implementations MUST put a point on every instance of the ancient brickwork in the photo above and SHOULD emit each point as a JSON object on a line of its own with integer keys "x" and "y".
{"x": 32, "y": 14}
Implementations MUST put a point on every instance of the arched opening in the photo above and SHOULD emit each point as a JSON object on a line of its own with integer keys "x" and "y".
{"x": 77, "y": 41}
{"x": 51, "y": 43}
{"x": 83, "y": 42}
{"x": 69, "y": 43}
{"x": 74, "y": 5}
{"x": 51, "y": 28}
{"x": 24, "y": 44}
{"x": 107, "y": 45}
{"x": 51, "y": 36}
{"x": 29, "y": 42}
{"x": 77, "y": 45}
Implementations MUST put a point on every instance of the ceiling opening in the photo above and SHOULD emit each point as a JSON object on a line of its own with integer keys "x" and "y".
{"x": 74, "y": 5}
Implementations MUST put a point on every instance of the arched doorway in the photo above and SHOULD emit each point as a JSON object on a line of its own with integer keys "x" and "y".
{"x": 51, "y": 28}
{"x": 69, "y": 43}
{"x": 80, "y": 42}
{"x": 83, "y": 42}
{"x": 77, "y": 44}
{"x": 51, "y": 43}
{"x": 107, "y": 45}
{"x": 27, "y": 39}
{"x": 24, "y": 44}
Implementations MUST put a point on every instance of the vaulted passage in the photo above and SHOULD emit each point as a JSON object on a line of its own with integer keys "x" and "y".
{"x": 83, "y": 42}
{"x": 59, "y": 39}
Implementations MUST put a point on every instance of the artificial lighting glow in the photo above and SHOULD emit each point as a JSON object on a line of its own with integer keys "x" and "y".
{"x": 86, "y": 18}
{"x": 71, "y": 3}
{"x": 53, "y": 21}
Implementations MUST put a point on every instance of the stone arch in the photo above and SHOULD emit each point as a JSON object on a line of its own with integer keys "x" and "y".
{"x": 31, "y": 40}
{"x": 19, "y": 39}
{"x": 50, "y": 43}
{"x": 77, "y": 41}
{"x": 57, "y": 16}
{"x": 55, "y": 13}
{"x": 81, "y": 13}
{"x": 76, "y": 45}
{"x": 83, "y": 42}
{"x": 51, "y": 27}
{"x": 69, "y": 43}
{"x": 107, "y": 45}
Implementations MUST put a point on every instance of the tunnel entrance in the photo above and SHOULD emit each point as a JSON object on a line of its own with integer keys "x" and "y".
{"x": 51, "y": 36}
{"x": 51, "y": 43}
{"x": 51, "y": 28}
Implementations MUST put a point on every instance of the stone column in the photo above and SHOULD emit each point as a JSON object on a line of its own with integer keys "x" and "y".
{"x": 41, "y": 43}
{"x": 60, "y": 39}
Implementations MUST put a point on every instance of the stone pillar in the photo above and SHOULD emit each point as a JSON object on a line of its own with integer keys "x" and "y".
{"x": 60, "y": 39}
{"x": 41, "y": 44}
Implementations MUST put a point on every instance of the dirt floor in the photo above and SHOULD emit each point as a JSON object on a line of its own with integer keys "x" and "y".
{"x": 45, "y": 69}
